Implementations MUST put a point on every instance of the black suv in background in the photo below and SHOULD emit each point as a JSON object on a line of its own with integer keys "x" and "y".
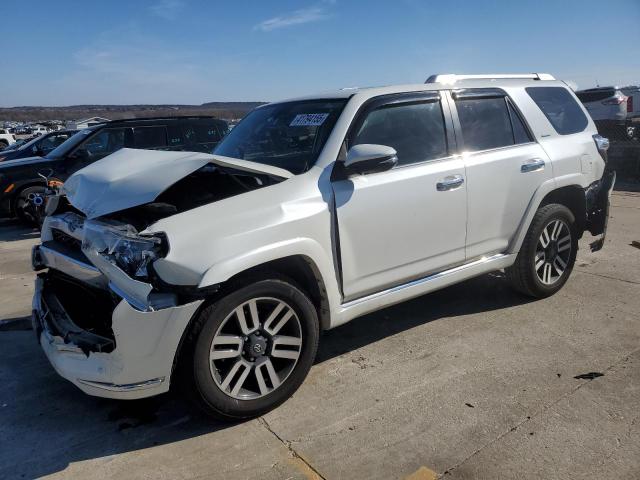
{"x": 22, "y": 183}
{"x": 38, "y": 146}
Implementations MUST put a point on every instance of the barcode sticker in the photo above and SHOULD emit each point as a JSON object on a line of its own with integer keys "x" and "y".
{"x": 308, "y": 120}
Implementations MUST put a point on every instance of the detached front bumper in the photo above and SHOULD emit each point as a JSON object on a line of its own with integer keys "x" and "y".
{"x": 134, "y": 361}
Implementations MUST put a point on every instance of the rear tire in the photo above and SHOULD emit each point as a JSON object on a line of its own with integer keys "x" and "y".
{"x": 242, "y": 365}
{"x": 548, "y": 253}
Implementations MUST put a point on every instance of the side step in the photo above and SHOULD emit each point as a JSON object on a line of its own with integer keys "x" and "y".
{"x": 415, "y": 288}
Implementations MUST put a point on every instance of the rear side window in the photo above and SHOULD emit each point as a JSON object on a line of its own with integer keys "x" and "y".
{"x": 560, "y": 108}
{"x": 175, "y": 137}
{"x": 150, "y": 137}
{"x": 485, "y": 123}
{"x": 207, "y": 133}
{"x": 415, "y": 130}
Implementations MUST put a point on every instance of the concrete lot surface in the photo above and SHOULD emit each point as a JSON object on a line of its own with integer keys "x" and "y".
{"x": 473, "y": 381}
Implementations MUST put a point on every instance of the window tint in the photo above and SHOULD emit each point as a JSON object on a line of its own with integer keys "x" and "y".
{"x": 520, "y": 132}
{"x": 485, "y": 123}
{"x": 560, "y": 108}
{"x": 207, "y": 133}
{"x": 150, "y": 137}
{"x": 595, "y": 95}
{"x": 175, "y": 137}
{"x": 415, "y": 130}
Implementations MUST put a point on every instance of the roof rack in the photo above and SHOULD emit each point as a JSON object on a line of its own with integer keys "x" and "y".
{"x": 452, "y": 77}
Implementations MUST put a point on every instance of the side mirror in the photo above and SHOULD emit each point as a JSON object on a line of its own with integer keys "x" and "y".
{"x": 370, "y": 158}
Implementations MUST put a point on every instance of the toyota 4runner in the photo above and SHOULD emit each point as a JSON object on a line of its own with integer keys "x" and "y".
{"x": 215, "y": 274}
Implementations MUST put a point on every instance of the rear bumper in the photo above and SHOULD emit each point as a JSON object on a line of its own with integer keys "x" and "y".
{"x": 135, "y": 361}
{"x": 598, "y": 196}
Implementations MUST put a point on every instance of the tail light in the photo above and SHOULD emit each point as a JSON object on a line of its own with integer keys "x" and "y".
{"x": 602, "y": 144}
{"x": 629, "y": 104}
{"x": 614, "y": 101}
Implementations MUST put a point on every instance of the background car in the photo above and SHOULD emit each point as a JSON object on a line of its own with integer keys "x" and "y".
{"x": 6, "y": 138}
{"x": 615, "y": 110}
{"x": 22, "y": 181}
{"x": 38, "y": 146}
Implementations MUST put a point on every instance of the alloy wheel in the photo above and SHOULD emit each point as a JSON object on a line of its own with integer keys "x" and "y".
{"x": 256, "y": 348}
{"x": 553, "y": 252}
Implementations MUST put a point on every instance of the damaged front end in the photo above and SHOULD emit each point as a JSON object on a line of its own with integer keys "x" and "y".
{"x": 96, "y": 312}
{"x": 104, "y": 317}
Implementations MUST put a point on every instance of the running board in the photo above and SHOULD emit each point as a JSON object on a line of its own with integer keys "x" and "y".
{"x": 415, "y": 288}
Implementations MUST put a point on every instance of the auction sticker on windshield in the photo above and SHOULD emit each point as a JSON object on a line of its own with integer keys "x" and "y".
{"x": 308, "y": 120}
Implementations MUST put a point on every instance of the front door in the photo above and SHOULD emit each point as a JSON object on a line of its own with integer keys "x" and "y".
{"x": 410, "y": 221}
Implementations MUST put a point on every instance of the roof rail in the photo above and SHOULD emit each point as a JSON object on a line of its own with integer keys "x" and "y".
{"x": 452, "y": 77}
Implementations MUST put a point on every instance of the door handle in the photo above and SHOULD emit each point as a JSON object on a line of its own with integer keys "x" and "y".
{"x": 533, "y": 165}
{"x": 449, "y": 183}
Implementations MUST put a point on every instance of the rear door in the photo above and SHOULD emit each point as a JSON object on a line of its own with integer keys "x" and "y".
{"x": 504, "y": 167}
{"x": 409, "y": 221}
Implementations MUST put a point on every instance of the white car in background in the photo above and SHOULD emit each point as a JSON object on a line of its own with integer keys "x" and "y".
{"x": 39, "y": 130}
{"x": 616, "y": 110}
{"x": 6, "y": 138}
{"x": 215, "y": 274}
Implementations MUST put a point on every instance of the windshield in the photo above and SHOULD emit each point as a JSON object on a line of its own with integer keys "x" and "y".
{"x": 71, "y": 143}
{"x": 286, "y": 135}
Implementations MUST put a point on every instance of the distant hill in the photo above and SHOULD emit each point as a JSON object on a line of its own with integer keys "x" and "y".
{"x": 113, "y": 112}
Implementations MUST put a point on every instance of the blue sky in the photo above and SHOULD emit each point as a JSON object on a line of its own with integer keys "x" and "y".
{"x": 193, "y": 51}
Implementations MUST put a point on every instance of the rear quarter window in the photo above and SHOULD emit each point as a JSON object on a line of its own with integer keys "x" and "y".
{"x": 560, "y": 108}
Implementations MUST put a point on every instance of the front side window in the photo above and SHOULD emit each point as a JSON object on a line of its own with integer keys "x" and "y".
{"x": 560, "y": 108}
{"x": 415, "y": 130}
{"x": 287, "y": 135}
{"x": 104, "y": 143}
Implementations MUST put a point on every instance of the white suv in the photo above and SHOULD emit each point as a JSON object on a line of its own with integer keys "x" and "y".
{"x": 6, "y": 138}
{"x": 217, "y": 273}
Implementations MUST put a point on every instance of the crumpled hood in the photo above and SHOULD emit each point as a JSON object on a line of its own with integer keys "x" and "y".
{"x": 132, "y": 177}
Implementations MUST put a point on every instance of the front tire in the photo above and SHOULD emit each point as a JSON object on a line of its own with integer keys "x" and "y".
{"x": 251, "y": 350}
{"x": 548, "y": 253}
{"x": 24, "y": 208}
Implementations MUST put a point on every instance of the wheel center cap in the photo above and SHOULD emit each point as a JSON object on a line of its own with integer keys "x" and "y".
{"x": 255, "y": 346}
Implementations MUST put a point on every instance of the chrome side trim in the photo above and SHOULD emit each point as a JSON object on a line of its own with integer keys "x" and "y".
{"x": 112, "y": 387}
{"x": 425, "y": 280}
{"x": 75, "y": 268}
